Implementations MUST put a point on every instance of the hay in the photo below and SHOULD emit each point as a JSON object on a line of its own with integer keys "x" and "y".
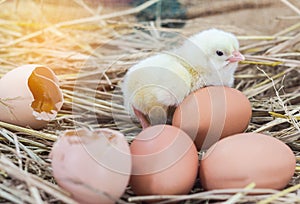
{"x": 92, "y": 53}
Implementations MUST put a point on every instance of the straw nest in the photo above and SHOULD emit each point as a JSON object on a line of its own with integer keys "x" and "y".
{"x": 91, "y": 54}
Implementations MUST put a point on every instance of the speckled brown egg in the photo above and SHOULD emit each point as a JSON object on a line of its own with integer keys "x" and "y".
{"x": 94, "y": 166}
{"x": 211, "y": 113}
{"x": 239, "y": 160}
{"x": 165, "y": 161}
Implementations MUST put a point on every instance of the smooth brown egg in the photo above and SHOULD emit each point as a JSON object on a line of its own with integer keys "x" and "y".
{"x": 239, "y": 160}
{"x": 165, "y": 161}
{"x": 30, "y": 96}
{"x": 212, "y": 113}
{"x": 94, "y": 166}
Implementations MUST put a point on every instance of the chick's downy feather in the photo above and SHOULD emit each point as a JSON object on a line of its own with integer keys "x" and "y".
{"x": 156, "y": 82}
{"x": 207, "y": 58}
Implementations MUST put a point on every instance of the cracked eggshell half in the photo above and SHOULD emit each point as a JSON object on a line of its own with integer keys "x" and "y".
{"x": 30, "y": 96}
{"x": 94, "y": 166}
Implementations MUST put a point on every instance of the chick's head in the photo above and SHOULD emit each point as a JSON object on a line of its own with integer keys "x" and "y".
{"x": 220, "y": 48}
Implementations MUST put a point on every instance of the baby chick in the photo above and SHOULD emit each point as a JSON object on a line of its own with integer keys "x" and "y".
{"x": 164, "y": 80}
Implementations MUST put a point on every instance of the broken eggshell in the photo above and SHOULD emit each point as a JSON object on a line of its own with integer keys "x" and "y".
{"x": 30, "y": 96}
{"x": 94, "y": 166}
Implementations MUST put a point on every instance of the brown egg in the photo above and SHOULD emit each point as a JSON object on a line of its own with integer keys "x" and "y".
{"x": 30, "y": 96}
{"x": 165, "y": 161}
{"x": 94, "y": 166}
{"x": 212, "y": 113}
{"x": 239, "y": 160}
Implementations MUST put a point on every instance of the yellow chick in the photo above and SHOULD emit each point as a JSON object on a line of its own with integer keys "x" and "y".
{"x": 164, "y": 80}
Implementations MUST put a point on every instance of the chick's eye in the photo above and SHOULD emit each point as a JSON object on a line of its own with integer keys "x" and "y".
{"x": 219, "y": 53}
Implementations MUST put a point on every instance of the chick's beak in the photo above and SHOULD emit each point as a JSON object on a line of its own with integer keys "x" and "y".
{"x": 236, "y": 57}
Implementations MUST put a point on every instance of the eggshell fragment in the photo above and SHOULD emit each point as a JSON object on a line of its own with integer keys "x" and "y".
{"x": 165, "y": 161}
{"x": 94, "y": 166}
{"x": 30, "y": 96}
{"x": 212, "y": 113}
{"x": 239, "y": 160}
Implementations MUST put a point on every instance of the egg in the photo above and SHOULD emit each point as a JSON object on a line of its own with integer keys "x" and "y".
{"x": 165, "y": 161}
{"x": 94, "y": 166}
{"x": 30, "y": 96}
{"x": 211, "y": 113}
{"x": 239, "y": 160}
